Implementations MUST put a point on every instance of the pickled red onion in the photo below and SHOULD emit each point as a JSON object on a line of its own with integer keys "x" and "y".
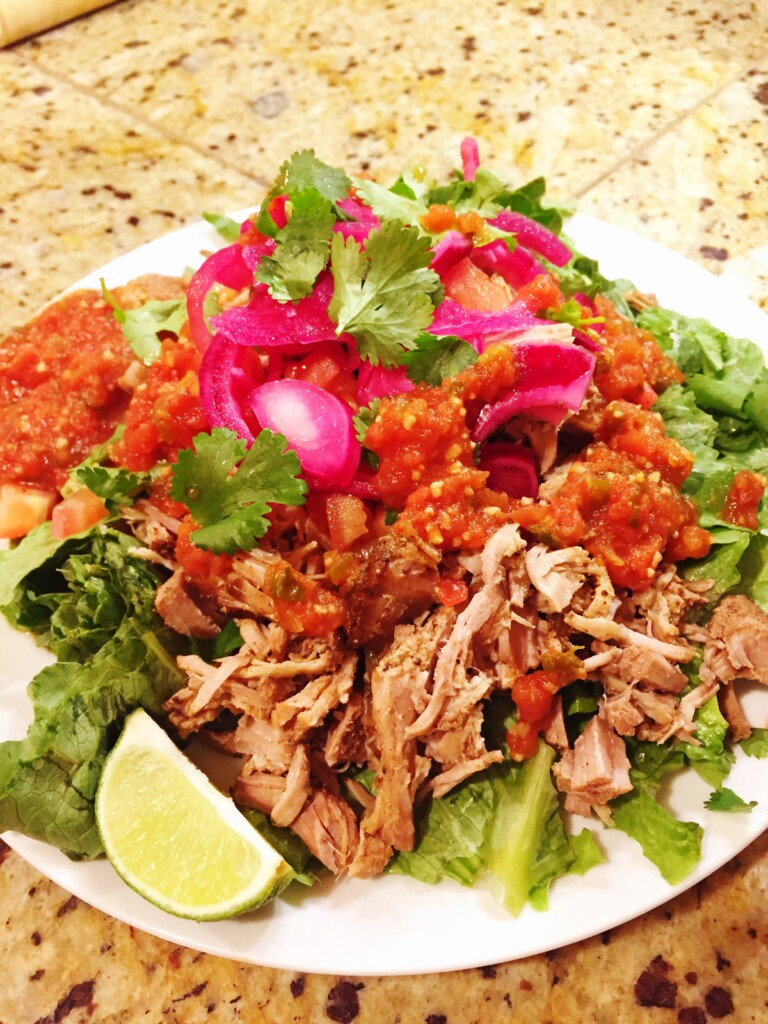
{"x": 534, "y": 236}
{"x": 511, "y": 468}
{"x": 380, "y": 382}
{"x": 470, "y": 158}
{"x": 224, "y": 385}
{"x": 551, "y": 379}
{"x": 317, "y": 426}
{"x": 272, "y": 324}
{"x": 451, "y": 248}
{"x": 225, "y": 267}
{"x": 517, "y": 266}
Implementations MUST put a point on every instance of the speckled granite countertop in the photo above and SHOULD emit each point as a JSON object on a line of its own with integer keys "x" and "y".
{"x": 129, "y": 122}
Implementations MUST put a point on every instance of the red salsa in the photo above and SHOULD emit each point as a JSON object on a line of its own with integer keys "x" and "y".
{"x": 61, "y": 389}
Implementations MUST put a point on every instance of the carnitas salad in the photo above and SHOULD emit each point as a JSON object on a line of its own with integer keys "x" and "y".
{"x": 446, "y": 539}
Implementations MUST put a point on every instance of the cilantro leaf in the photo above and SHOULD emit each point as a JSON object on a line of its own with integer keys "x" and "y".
{"x": 389, "y": 204}
{"x": 143, "y": 325}
{"x": 726, "y": 800}
{"x": 299, "y": 172}
{"x": 479, "y": 195}
{"x": 115, "y": 486}
{"x": 302, "y": 248}
{"x": 383, "y": 294}
{"x": 756, "y": 744}
{"x": 571, "y": 312}
{"x": 231, "y": 504}
{"x": 228, "y": 229}
{"x": 364, "y": 418}
{"x": 435, "y": 358}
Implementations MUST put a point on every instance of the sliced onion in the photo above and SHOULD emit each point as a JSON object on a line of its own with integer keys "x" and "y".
{"x": 269, "y": 324}
{"x": 473, "y": 325}
{"x": 317, "y": 425}
{"x": 511, "y": 468}
{"x": 225, "y": 267}
{"x": 450, "y": 250}
{"x": 552, "y": 379}
{"x": 517, "y": 266}
{"x": 365, "y": 220}
{"x": 470, "y": 158}
{"x": 225, "y": 385}
{"x": 534, "y": 236}
{"x": 253, "y": 252}
{"x": 380, "y": 382}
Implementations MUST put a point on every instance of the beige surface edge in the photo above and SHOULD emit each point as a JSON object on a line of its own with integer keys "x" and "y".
{"x": 21, "y": 18}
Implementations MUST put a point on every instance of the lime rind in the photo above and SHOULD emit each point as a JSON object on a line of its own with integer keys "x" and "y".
{"x": 174, "y": 838}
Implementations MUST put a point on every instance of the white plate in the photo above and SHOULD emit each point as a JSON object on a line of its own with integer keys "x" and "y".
{"x": 395, "y": 925}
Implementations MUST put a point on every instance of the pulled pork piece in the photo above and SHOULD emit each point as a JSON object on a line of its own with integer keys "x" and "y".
{"x": 557, "y": 574}
{"x": 603, "y": 628}
{"x": 306, "y": 709}
{"x": 345, "y": 739}
{"x": 453, "y": 691}
{"x": 664, "y": 605}
{"x": 326, "y": 822}
{"x": 398, "y": 678}
{"x": 297, "y": 789}
{"x": 737, "y": 642}
{"x": 184, "y": 610}
{"x": 645, "y": 666}
{"x": 460, "y": 752}
{"x": 394, "y": 581}
{"x": 596, "y": 770}
{"x": 733, "y": 713}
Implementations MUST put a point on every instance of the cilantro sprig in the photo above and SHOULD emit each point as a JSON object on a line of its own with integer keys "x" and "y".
{"x": 143, "y": 325}
{"x": 302, "y": 247}
{"x": 384, "y": 294}
{"x": 434, "y": 358}
{"x": 229, "y": 487}
{"x": 300, "y": 172}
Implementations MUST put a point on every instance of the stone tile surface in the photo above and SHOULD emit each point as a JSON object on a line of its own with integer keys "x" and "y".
{"x": 81, "y": 183}
{"x": 703, "y": 187}
{"x": 560, "y": 89}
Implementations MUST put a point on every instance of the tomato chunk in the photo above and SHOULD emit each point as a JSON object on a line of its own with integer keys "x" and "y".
{"x": 78, "y": 512}
{"x": 22, "y": 509}
{"x": 347, "y": 519}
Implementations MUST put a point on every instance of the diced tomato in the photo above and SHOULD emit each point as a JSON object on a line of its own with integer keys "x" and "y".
{"x": 451, "y": 592}
{"x": 78, "y": 512}
{"x": 522, "y": 740}
{"x": 744, "y": 496}
{"x": 472, "y": 288}
{"x": 533, "y": 693}
{"x": 22, "y": 509}
{"x": 543, "y": 292}
{"x": 347, "y": 519}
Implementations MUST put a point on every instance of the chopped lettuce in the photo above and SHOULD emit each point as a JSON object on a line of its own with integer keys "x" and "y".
{"x": 673, "y": 846}
{"x": 115, "y": 655}
{"x": 505, "y": 820}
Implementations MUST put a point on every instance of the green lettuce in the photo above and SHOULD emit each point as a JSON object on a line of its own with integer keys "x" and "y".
{"x": 115, "y": 655}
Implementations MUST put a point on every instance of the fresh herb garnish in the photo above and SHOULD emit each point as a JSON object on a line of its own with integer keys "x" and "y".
{"x": 434, "y": 358}
{"x": 143, "y": 325}
{"x": 384, "y": 294}
{"x": 302, "y": 247}
{"x": 229, "y": 503}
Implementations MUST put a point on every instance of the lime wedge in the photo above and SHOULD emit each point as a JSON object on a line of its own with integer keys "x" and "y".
{"x": 176, "y": 839}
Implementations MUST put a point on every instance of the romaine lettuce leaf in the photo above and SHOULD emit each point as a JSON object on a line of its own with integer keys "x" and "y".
{"x": 105, "y": 614}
